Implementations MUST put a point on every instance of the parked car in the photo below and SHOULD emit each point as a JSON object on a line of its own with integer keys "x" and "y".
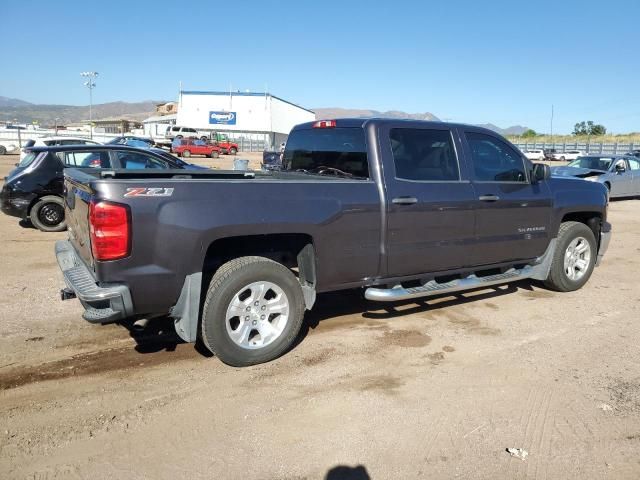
{"x": 568, "y": 155}
{"x": 227, "y": 147}
{"x": 181, "y": 132}
{"x": 619, "y": 173}
{"x": 186, "y": 148}
{"x": 34, "y": 188}
{"x": 54, "y": 141}
{"x": 271, "y": 160}
{"x": 131, "y": 141}
{"x": 550, "y": 153}
{"x": 402, "y": 209}
{"x": 8, "y": 147}
{"x": 534, "y": 154}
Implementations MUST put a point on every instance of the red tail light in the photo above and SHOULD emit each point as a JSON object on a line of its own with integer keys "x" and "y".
{"x": 325, "y": 124}
{"x": 110, "y": 230}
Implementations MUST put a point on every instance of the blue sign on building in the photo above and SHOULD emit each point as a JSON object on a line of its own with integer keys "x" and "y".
{"x": 224, "y": 118}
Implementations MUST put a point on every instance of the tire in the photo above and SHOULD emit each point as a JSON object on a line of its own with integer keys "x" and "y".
{"x": 562, "y": 159}
{"x": 3, "y": 150}
{"x": 203, "y": 138}
{"x": 179, "y": 137}
{"x": 239, "y": 281}
{"x": 47, "y": 214}
{"x": 186, "y": 154}
{"x": 214, "y": 154}
{"x": 233, "y": 151}
{"x": 565, "y": 274}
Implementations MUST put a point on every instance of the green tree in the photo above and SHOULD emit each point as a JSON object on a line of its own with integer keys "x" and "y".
{"x": 589, "y": 128}
{"x": 529, "y": 133}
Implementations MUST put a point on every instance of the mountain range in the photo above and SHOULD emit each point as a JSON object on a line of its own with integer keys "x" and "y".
{"x": 20, "y": 111}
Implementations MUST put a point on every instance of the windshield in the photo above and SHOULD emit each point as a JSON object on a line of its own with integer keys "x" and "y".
{"x": 592, "y": 163}
{"x": 28, "y": 159}
{"x": 327, "y": 151}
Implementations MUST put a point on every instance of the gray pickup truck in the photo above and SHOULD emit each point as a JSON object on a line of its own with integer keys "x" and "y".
{"x": 401, "y": 209}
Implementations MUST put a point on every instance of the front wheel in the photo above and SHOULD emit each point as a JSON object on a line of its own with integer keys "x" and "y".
{"x": 3, "y": 150}
{"x": 214, "y": 154}
{"x": 47, "y": 214}
{"x": 186, "y": 153}
{"x": 253, "y": 311}
{"x": 233, "y": 151}
{"x": 574, "y": 258}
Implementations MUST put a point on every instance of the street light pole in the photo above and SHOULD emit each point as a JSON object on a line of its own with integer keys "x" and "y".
{"x": 90, "y": 84}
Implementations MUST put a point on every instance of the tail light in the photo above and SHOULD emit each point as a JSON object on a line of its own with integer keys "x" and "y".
{"x": 110, "y": 230}
{"x": 325, "y": 124}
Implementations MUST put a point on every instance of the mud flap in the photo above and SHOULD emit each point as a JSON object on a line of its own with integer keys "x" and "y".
{"x": 187, "y": 309}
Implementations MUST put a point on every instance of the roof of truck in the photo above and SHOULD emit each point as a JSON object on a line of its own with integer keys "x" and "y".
{"x": 360, "y": 122}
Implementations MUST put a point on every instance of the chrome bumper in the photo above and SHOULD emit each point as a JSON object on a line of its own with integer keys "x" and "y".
{"x": 103, "y": 304}
{"x": 605, "y": 238}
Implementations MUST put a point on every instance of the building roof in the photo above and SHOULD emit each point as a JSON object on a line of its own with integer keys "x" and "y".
{"x": 242, "y": 94}
{"x": 161, "y": 118}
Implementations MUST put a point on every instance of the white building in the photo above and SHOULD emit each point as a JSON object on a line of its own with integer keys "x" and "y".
{"x": 156, "y": 126}
{"x": 258, "y": 117}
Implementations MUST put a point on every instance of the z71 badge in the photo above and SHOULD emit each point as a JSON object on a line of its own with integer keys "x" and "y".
{"x": 149, "y": 192}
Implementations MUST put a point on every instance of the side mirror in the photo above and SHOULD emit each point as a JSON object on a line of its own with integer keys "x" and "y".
{"x": 541, "y": 171}
{"x": 620, "y": 167}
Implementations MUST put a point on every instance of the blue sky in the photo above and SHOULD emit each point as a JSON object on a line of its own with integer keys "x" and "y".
{"x": 465, "y": 61}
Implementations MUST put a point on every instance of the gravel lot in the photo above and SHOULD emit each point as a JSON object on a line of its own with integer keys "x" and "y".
{"x": 430, "y": 389}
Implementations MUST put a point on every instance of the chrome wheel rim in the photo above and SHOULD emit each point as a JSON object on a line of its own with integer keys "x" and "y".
{"x": 577, "y": 258}
{"x": 257, "y": 315}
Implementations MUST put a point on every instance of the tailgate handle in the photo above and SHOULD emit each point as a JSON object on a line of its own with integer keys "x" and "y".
{"x": 404, "y": 200}
{"x": 488, "y": 198}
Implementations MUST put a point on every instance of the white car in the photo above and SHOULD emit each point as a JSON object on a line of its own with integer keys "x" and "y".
{"x": 569, "y": 155}
{"x": 52, "y": 141}
{"x": 8, "y": 147}
{"x": 535, "y": 154}
{"x": 184, "y": 132}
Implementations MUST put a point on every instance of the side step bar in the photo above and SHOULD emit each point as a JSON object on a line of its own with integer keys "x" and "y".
{"x": 435, "y": 288}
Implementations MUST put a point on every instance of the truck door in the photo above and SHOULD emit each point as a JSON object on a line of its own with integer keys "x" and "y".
{"x": 513, "y": 215}
{"x": 429, "y": 200}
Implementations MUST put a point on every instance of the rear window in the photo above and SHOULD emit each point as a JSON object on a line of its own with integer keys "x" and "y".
{"x": 28, "y": 159}
{"x": 328, "y": 151}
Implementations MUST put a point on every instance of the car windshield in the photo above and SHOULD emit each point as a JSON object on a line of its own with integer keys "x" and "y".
{"x": 592, "y": 163}
{"x": 28, "y": 159}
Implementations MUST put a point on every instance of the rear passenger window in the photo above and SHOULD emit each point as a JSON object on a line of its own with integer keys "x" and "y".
{"x": 494, "y": 160}
{"x": 424, "y": 155}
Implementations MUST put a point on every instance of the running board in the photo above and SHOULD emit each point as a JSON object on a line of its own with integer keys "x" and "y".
{"x": 435, "y": 288}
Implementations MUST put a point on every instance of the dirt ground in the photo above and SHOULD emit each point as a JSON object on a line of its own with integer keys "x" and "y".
{"x": 433, "y": 389}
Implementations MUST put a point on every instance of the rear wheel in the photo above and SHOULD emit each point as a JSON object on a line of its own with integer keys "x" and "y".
{"x": 233, "y": 150}
{"x": 214, "y": 154}
{"x": 3, "y": 150}
{"x": 186, "y": 153}
{"x": 253, "y": 311}
{"x": 47, "y": 214}
{"x": 574, "y": 258}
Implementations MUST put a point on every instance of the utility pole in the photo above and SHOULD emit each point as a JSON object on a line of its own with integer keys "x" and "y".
{"x": 552, "y": 125}
{"x": 90, "y": 84}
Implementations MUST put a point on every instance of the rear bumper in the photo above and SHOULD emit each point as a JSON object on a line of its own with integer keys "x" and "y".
{"x": 102, "y": 303}
{"x": 13, "y": 203}
{"x": 605, "y": 238}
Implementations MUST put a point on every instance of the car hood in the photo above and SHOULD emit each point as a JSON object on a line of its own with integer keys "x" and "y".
{"x": 575, "y": 172}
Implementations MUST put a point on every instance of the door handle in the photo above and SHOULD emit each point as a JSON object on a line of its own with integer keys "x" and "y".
{"x": 404, "y": 200}
{"x": 488, "y": 198}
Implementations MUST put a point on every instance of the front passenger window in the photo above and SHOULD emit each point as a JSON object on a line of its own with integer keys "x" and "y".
{"x": 494, "y": 160}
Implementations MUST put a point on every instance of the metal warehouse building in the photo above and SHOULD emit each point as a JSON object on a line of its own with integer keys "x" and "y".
{"x": 258, "y": 117}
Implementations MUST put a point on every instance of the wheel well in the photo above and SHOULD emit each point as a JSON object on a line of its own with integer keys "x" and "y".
{"x": 293, "y": 250}
{"x": 590, "y": 219}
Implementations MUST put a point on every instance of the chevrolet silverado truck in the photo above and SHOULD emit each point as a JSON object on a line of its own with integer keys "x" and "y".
{"x": 401, "y": 209}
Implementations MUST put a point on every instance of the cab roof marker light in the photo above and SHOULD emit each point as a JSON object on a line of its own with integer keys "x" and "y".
{"x": 325, "y": 124}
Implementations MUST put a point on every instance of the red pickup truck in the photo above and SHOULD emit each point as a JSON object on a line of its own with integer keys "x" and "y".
{"x": 189, "y": 147}
{"x": 226, "y": 146}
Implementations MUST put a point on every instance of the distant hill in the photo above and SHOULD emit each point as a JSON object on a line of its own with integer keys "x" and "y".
{"x": 12, "y": 109}
{"x": 336, "y": 112}
{"x": 511, "y": 131}
{"x": 11, "y": 102}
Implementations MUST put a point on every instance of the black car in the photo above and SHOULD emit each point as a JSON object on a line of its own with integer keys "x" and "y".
{"x": 33, "y": 189}
{"x": 140, "y": 142}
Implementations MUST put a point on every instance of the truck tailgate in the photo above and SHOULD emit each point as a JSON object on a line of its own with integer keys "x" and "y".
{"x": 78, "y": 196}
